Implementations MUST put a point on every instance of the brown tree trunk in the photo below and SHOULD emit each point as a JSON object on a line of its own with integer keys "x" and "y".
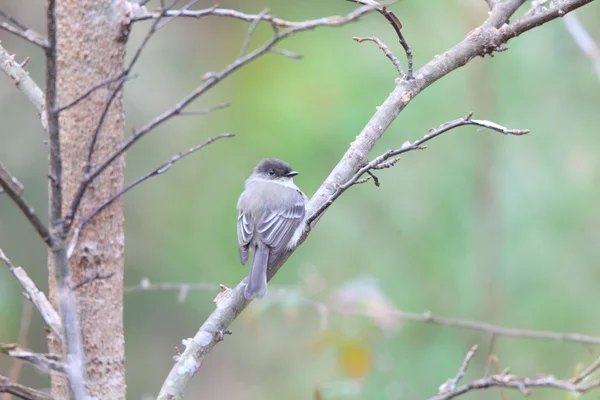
{"x": 91, "y": 49}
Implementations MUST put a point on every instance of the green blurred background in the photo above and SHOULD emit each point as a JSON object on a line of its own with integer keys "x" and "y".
{"x": 480, "y": 226}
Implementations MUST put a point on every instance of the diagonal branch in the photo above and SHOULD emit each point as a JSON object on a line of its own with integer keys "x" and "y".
{"x": 522, "y": 384}
{"x": 483, "y": 40}
{"x": 24, "y": 83}
{"x": 397, "y": 25}
{"x": 44, "y": 362}
{"x": 212, "y": 80}
{"x": 20, "y": 391}
{"x": 14, "y": 190}
{"x": 163, "y": 168}
{"x": 379, "y": 162}
{"x": 37, "y": 297}
{"x": 29, "y": 35}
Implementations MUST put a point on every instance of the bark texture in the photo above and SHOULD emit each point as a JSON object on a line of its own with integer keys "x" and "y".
{"x": 91, "y": 49}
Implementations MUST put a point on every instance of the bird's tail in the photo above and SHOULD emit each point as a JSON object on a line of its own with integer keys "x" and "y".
{"x": 257, "y": 278}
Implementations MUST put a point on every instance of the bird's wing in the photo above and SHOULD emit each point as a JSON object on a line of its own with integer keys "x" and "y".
{"x": 245, "y": 232}
{"x": 277, "y": 226}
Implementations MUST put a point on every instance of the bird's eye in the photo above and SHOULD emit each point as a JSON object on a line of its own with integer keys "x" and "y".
{"x": 271, "y": 172}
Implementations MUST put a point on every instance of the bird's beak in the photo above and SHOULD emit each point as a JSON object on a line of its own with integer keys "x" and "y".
{"x": 291, "y": 174}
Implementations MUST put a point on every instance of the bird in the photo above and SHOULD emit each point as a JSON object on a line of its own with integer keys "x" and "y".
{"x": 271, "y": 219}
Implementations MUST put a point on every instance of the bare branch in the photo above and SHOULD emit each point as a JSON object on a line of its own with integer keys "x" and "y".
{"x": 24, "y": 83}
{"x": 43, "y": 362}
{"x": 523, "y": 384}
{"x": 251, "y": 30}
{"x": 89, "y": 177}
{"x": 397, "y": 25}
{"x": 14, "y": 190}
{"x": 587, "y": 372}
{"x": 13, "y": 21}
{"x": 205, "y": 110}
{"x": 388, "y": 53}
{"x": 163, "y": 168}
{"x": 210, "y": 82}
{"x": 25, "y": 326}
{"x": 450, "y": 384}
{"x": 182, "y": 288}
{"x": 20, "y": 391}
{"x": 170, "y": 19}
{"x": 483, "y": 40}
{"x": 583, "y": 39}
{"x": 93, "y": 89}
{"x": 10, "y": 180}
{"x": 37, "y": 297}
{"x": 29, "y": 35}
{"x": 229, "y": 13}
{"x": 287, "y": 53}
{"x": 406, "y": 147}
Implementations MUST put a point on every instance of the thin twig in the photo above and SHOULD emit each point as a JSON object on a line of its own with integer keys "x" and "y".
{"x": 523, "y": 384}
{"x": 426, "y": 317}
{"x": 13, "y": 21}
{"x": 87, "y": 176}
{"x": 37, "y": 297}
{"x": 583, "y": 39}
{"x": 9, "y": 179}
{"x": 29, "y": 35}
{"x": 43, "y": 362}
{"x": 211, "y": 81}
{"x": 287, "y": 53}
{"x": 93, "y": 277}
{"x": 182, "y": 288}
{"x": 229, "y": 13}
{"x": 163, "y": 168}
{"x": 397, "y": 25}
{"x": 93, "y": 89}
{"x": 586, "y": 372}
{"x": 24, "y": 83}
{"x": 14, "y": 190}
{"x": 17, "y": 365}
{"x": 416, "y": 145}
{"x": 251, "y": 30}
{"x": 386, "y": 51}
{"x": 20, "y": 391}
{"x": 170, "y": 19}
{"x": 450, "y": 384}
{"x": 204, "y": 111}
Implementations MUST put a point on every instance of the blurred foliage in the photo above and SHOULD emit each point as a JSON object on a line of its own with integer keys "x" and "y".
{"x": 479, "y": 226}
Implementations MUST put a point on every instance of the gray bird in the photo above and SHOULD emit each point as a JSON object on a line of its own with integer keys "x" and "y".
{"x": 271, "y": 215}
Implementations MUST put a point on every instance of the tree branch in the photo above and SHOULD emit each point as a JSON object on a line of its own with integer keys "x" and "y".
{"x": 426, "y": 317}
{"x": 44, "y": 362}
{"x": 25, "y": 326}
{"x": 211, "y": 80}
{"x": 163, "y": 168}
{"x": 37, "y": 297}
{"x": 386, "y": 50}
{"x": 24, "y": 83}
{"x": 14, "y": 190}
{"x": 20, "y": 391}
{"x": 481, "y": 41}
{"x": 523, "y": 384}
{"x": 379, "y": 162}
{"x": 583, "y": 39}
{"x": 29, "y": 35}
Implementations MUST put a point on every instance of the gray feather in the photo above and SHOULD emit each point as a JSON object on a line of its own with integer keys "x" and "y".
{"x": 257, "y": 278}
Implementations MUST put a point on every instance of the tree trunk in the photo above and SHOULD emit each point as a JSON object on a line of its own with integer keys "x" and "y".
{"x": 91, "y": 49}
